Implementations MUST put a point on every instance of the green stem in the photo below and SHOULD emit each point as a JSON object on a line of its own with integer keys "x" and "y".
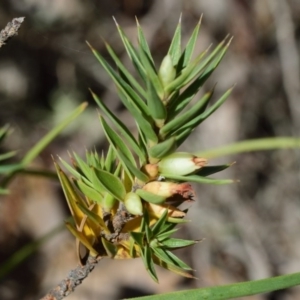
{"x": 252, "y": 145}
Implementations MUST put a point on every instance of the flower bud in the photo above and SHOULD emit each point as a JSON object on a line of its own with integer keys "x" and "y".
{"x": 168, "y": 189}
{"x": 180, "y": 163}
{"x": 166, "y": 71}
{"x": 158, "y": 210}
{"x": 133, "y": 203}
{"x": 151, "y": 170}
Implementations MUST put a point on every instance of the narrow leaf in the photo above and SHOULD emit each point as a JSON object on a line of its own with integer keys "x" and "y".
{"x": 94, "y": 217}
{"x": 51, "y": 135}
{"x": 110, "y": 159}
{"x": 177, "y": 243}
{"x": 207, "y": 67}
{"x": 186, "y": 74}
{"x": 143, "y": 122}
{"x": 116, "y": 141}
{"x": 75, "y": 173}
{"x": 6, "y": 169}
{"x": 125, "y": 156}
{"x": 110, "y": 248}
{"x": 89, "y": 192}
{"x": 7, "y": 155}
{"x": 156, "y": 107}
{"x": 206, "y": 171}
{"x": 164, "y": 148}
{"x": 148, "y": 261}
{"x": 198, "y": 179}
{"x": 121, "y": 127}
{"x": 176, "y": 270}
{"x": 175, "y": 47}
{"x": 198, "y": 120}
{"x": 4, "y": 131}
{"x": 162, "y": 236}
{"x": 132, "y": 53}
{"x": 181, "y": 101}
{"x": 189, "y": 49}
{"x": 111, "y": 183}
{"x": 157, "y": 227}
{"x": 189, "y": 115}
{"x": 4, "y": 192}
{"x": 83, "y": 167}
{"x": 71, "y": 196}
{"x": 177, "y": 261}
{"x": 161, "y": 254}
{"x": 152, "y": 73}
{"x": 126, "y": 73}
{"x": 121, "y": 83}
{"x": 231, "y": 291}
{"x": 142, "y": 41}
{"x": 138, "y": 237}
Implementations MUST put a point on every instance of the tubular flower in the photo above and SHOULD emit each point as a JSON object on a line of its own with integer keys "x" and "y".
{"x": 169, "y": 189}
{"x": 181, "y": 163}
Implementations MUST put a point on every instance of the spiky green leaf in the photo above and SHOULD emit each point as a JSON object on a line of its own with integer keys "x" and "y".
{"x": 189, "y": 115}
{"x": 138, "y": 238}
{"x": 177, "y": 243}
{"x": 83, "y": 167}
{"x": 163, "y": 148}
{"x": 159, "y": 225}
{"x": 199, "y": 119}
{"x": 142, "y": 41}
{"x": 93, "y": 217}
{"x": 53, "y": 133}
{"x": 144, "y": 123}
{"x": 189, "y": 49}
{"x": 125, "y": 156}
{"x": 151, "y": 73}
{"x": 132, "y": 53}
{"x": 148, "y": 262}
{"x": 121, "y": 127}
{"x": 165, "y": 235}
{"x": 88, "y": 191}
{"x": 155, "y": 104}
{"x": 111, "y": 183}
{"x": 177, "y": 261}
{"x": 206, "y": 171}
{"x": 175, "y": 47}
{"x": 125, "y": 72}
{"x": 197, "y": 178}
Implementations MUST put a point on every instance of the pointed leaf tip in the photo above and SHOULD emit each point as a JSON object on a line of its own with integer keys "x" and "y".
{"x": 115, "y": 20}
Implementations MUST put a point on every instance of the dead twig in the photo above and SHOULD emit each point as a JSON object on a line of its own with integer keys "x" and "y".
{"x": 289, "y": 56}
{"x": 10, "y": 30}
{"x": 74, "y": 278}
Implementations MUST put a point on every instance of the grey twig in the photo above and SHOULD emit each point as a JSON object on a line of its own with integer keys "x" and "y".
{"x": 10, "y": 30}
{"x": 289, "y": 56}
{"x": 74, "y": 278}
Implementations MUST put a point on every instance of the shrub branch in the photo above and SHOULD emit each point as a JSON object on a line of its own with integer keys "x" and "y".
{"x": 10, "y": 30}
{"x": 74, "y": 278}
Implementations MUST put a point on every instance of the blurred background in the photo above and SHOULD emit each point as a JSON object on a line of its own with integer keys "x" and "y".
{"x": 250, "y": 229}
